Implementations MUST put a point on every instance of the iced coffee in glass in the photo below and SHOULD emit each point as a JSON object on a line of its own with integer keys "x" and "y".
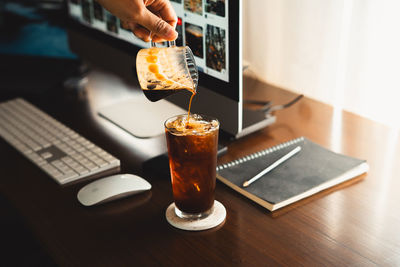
{"x": 192, "y": 149}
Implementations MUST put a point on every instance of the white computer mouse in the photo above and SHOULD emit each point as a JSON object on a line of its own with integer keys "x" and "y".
{"x": 111, "y": 188}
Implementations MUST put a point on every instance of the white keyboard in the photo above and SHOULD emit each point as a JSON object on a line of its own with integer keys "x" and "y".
{"x": 56, "y": 149}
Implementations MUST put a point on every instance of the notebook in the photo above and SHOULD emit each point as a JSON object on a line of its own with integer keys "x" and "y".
{"x": 309, "y": 171}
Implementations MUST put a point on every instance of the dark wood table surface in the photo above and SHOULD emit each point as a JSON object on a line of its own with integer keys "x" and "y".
{"x": 355, "y": 224}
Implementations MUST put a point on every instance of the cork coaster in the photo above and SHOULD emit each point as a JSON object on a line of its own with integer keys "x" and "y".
{"x": 214, "y": 219}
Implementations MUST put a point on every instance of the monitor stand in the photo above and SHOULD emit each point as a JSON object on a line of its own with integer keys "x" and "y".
{"x": 254, "y": 120}
{"x": 148, "y": 119}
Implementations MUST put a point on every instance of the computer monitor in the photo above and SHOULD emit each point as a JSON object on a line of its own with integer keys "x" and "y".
{"x": 211, "y": 28}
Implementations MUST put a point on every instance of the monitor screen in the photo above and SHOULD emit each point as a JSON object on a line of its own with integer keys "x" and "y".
{"x": 203, "y": 25}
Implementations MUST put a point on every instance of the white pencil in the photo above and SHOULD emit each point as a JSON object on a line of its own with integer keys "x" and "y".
{"x": 272, "y": 166}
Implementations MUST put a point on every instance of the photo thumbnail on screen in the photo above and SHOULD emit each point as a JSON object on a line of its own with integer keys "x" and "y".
{"x": 112, "y": 23}
{"x": 216, "y": 7}
{"x": 194, "y": 6}
{"x": 215, "y": 48}
{"x": 98, "y": 11}
{"x": 86, "y": 11}
{"x": 194, "y": 39}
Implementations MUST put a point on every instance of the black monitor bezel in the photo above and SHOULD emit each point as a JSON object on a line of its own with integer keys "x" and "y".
{"x": 228, "y": 89}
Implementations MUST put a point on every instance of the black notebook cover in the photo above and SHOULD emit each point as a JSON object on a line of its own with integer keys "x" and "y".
{"x": 311, "y": 170}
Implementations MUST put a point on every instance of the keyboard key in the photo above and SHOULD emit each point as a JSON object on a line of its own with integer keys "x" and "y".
{"x": 52, "y": 171}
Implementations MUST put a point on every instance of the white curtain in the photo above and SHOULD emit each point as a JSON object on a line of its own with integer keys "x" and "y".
{"x": 343, "y": 52}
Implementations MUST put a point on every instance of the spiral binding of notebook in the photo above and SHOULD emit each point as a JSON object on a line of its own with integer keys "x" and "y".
{"x": 259, "y": 153}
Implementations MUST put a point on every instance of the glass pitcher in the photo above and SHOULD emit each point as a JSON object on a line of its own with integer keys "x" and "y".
{"x": 163, "y": 71}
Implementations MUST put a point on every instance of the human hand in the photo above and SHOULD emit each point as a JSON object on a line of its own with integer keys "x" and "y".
{"x": 145, "y": 17}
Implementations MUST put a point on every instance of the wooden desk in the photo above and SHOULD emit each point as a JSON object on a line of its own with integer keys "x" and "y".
{"x": 357, "y": 224}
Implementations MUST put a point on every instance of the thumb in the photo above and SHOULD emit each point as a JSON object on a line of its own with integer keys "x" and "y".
{"x": 158, "y": 26}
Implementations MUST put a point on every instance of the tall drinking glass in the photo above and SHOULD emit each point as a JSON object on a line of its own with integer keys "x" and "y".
{"x": 192, "y": 151}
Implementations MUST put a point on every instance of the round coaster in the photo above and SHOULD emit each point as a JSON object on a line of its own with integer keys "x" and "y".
{"x": 214, "y": 219}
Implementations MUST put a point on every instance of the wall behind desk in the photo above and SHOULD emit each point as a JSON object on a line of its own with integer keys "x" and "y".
{"x": 345, "y": 53}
